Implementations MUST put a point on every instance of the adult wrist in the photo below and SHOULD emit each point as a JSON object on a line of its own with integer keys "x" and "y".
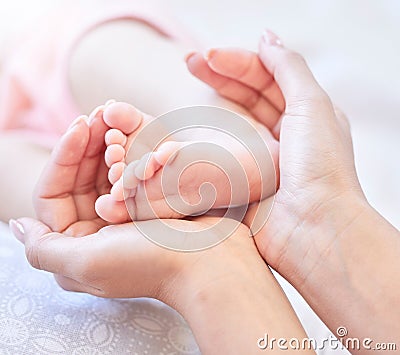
{"x": 347, "y": 271}
{"x": 316, "y": 238}
{"x": 231, "y": 299}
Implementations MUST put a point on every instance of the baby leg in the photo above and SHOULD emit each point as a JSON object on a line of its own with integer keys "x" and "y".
{"x": 130, "y": 61}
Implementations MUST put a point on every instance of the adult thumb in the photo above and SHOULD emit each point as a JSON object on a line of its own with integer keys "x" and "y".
{"x": 40, "y": 242}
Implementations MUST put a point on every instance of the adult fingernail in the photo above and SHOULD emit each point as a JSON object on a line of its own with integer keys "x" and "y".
{"x": 78, "y": 120}
{"x": 17, "y": 229}
{"x": 96, "y": 112}
{"x": 210, "y": 54}
{"x": 189, "y": 55}
{"x": 271, "y": 38}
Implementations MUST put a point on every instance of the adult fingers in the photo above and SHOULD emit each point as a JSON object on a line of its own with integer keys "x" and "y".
{"x": 90, "y": 168}
{"x": 234, "y": 90}
{"x": 64, "y": 161}
{"x": 246, "y": 67}
{"x": 87, "y": 174}
{"x": 56, "y": 184}
{"x": 302, "y": 93}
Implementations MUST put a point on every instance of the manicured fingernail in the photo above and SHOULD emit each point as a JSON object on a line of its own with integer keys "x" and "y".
{"x": 210, "y": 54}
{"x": 189, "y": 55}
{"x": 271, "y": 38}
{"x": 96, "y": 111}
{"x": 17, "y": 229}
{"x": 77, "y": 121}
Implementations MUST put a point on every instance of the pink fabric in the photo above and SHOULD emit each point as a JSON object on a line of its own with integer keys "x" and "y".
{"x": 35, "y": 98}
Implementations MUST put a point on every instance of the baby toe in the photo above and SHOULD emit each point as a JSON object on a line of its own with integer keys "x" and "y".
{"x": 147, "y": 167}
{"x": 110, "y": 210}
{"x": 117, "y": 191}
{"x": 167, "y": 152}
{"x": 115, "y": 136}
{"x": 129, "y": 177}
{"x": 122, "y": 116}
{"x": 114, "y": 153}
{"x": 116, "y": 172}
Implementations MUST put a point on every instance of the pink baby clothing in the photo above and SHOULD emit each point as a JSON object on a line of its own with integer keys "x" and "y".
{"x": 35, "y": 98}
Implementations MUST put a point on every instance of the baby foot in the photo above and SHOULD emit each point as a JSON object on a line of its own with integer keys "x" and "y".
{"x": 124, "y": 122}
{"x": 178, "y": 178}
{"x": 126, "y": 174}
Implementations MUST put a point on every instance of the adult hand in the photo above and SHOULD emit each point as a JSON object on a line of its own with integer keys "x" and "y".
{"x": 316, "y": 159}
{"x": 86, "y": 255}
{"x": 75, "y": 176}
{"x": 206, "y": 287}
{"x": 321, "y": 234}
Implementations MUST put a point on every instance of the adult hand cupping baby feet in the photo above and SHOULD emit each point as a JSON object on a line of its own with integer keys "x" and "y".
{"x": 86, "y": 253}
{"x": 75, "y": 176}
{"x": 118, "y": 261}
{"x": 321, "y": 234}
{"x": 140, "y": 184}
{"x": 315, "y": 150}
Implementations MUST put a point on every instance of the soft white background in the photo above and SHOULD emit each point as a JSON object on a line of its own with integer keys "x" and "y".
{"x": 354, "y": 50}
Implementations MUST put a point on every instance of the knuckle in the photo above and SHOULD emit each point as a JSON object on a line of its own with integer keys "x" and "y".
{"x": 291, "y": 56}
{"x": 323, "y": 99}
{"x": 221, "y": 86}
{"x": 338, "y": 110}
{"x": 34, "y": 251}
{"x": 31, "y": 252}
{"x": 252, "y": 100}
{"x": 245, "y": 70}
{"x": 342, "y": 116}
{"x": 310, "y": 104}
